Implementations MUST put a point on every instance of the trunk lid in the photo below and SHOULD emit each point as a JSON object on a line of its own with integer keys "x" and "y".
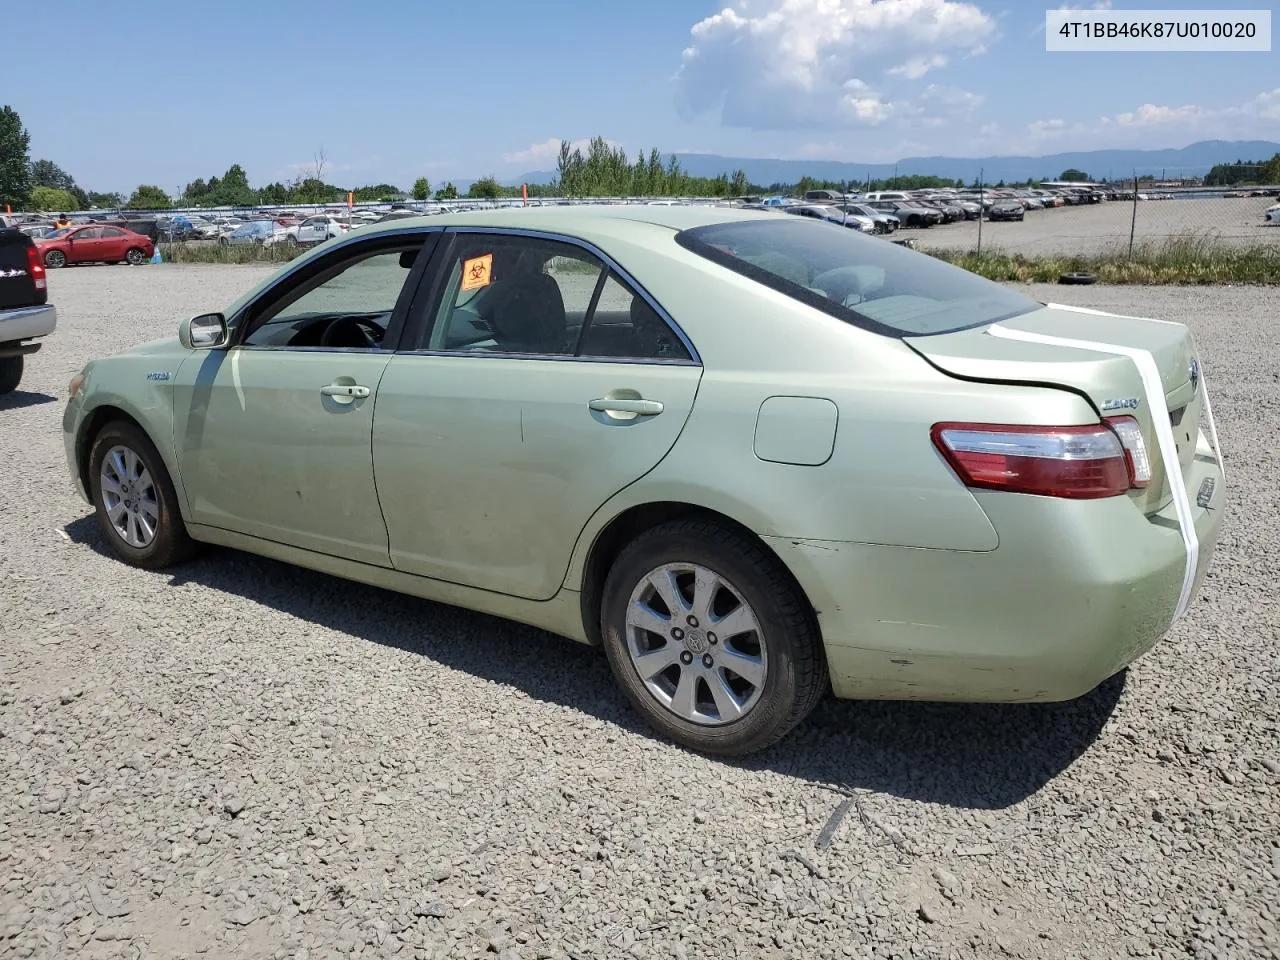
{"x": 1111, "y": 382}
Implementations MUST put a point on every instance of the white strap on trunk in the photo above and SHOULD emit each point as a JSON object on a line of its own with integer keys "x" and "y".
{"x": 1150, "y": 374}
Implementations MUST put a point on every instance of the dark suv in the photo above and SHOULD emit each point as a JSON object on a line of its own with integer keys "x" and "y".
{"x": 25, "y": 311}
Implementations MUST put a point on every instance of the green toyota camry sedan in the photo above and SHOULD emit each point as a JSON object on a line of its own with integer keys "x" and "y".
{"x": 756, "y": 458}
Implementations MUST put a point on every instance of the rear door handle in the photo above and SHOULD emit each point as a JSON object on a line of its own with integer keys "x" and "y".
{"x": 643, "y": 408}
{"x": 345, "y": 390}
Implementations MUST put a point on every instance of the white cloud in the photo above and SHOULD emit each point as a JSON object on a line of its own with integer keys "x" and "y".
{"x": 548, "y": 150}
{"x": 780, "y": 64}
{"x": 917, "y": 67}
{"x": 1268, "y": 104}
{"x": 956, "y": 99}
{"x": 1151, "y": 125}
{"x": 1046, "y": 129}
{"x": 1150, "y": 115}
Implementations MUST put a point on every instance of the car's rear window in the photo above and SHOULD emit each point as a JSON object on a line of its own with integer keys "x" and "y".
{"x": 866, "y": 281}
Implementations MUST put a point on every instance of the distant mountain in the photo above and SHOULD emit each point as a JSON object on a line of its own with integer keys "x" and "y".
{"x": 1189, "y": 161}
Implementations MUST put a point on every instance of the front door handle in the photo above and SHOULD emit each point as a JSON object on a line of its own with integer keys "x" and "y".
{"x": 642, "y": 408}
{"x": 345, "y": 390}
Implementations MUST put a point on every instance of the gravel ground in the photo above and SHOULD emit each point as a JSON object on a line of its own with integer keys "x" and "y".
{"x": 1093, "y": 229}
{"x": 243, "y": 759}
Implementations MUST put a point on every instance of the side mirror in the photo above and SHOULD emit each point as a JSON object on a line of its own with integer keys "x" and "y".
{"x": 203, "y": 332}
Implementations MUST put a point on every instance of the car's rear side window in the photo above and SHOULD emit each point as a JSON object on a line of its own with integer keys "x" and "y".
{"x": 866, "y": 281}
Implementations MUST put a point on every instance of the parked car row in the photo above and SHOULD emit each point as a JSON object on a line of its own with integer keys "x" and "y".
{"x": 926, "y": 208}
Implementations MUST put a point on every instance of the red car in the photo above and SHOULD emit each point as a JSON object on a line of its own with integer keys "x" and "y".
{"x": 94, "y": 244}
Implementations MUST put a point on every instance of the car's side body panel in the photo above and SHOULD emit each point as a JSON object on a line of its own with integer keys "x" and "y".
{"x": 263, "y": 451}
{"x": 489, "y": 467}
{"x": 139, "y": 384}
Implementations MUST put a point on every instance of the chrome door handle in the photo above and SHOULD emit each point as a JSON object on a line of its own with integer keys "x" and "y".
{"x": 345, "y": 390}
{"x": 643, "y": 408}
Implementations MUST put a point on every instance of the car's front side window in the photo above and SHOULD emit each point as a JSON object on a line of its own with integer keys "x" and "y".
{"x": 348, "y": 305}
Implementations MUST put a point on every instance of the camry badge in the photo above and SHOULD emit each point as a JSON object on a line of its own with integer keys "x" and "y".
{"x": 1122, "y": 403}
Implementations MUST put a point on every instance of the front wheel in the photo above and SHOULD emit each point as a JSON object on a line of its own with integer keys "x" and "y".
{"x": 134, "y": 498}
{"x": 55, "y": 259}
{"x": 710, "y": 638}
{"x": 135, "y": 257}
{"x": 10, "y": 373}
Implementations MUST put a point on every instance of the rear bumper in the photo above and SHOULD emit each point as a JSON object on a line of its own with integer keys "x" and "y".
{"x": 1076, "y": 591}
{"x": 24, "y": 323}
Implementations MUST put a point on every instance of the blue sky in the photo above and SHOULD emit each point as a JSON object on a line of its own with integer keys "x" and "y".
{"x": 165, "y": 93}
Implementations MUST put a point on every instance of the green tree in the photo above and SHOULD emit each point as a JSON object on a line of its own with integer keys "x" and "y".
{"x": 377, "y": 191}
{"x": 421, "y": 188}
{"x": 311, "y": 190}
{"x": 232, "y": 190}
{"x": 148, "y": 197}
{"x": 15, "y": 161}
{"x": 1271, "y": 172}
{"x": 104, "y": 200}
{"x": 486, "y": 188}
{"x": 46, "y": 173}
{"x": 53, "y": 200}
{"x": 1077, "y": 176}
{"x": 447, "y": 192}
{"x": 274, "y": 193}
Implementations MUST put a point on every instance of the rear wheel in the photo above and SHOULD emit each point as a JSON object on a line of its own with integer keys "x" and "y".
{"x": 710, "y": 638}
{"x": 10, "y": 373}
{"x": 135, "y": 257}
{"x": 55, "y": 259}
{"x": 134, "y": 498}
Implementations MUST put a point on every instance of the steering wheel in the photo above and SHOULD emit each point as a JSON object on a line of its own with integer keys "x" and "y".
{"x": 350, "y": 332}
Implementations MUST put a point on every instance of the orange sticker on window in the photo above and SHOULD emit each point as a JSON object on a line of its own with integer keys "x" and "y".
{"x": 476, "y": 272}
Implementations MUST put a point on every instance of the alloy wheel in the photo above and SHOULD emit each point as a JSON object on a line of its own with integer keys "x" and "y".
{"x": 696, "y": 644}
{"x": 129, "y": 496}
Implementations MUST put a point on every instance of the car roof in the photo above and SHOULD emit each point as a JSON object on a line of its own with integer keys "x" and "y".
{"x": 587, "y": 222}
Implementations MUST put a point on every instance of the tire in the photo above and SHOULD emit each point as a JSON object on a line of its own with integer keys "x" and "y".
{"x": 783, "y": 650}
{"x": 169, "y": 543}
{"x": 10, "y": 373}
{"x": 135, "y": 257}
{"x": 55, "y": 259}
{"x": 1077, "y": 278}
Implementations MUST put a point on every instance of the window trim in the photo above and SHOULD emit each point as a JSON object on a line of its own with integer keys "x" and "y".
{"x": 422, "y": 315}
{"x": 428, "y": 239}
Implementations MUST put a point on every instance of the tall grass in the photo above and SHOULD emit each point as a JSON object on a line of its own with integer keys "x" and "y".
{"x": 1175, "y": 260}
{"x": 219, "y": 253}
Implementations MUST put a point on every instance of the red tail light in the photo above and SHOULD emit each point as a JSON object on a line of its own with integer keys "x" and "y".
{"x": 1078, "y": 463}
{"x": 35, "y": 268}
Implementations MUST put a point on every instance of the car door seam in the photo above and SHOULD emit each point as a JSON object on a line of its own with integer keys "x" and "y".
{"x": 373, "y": 460}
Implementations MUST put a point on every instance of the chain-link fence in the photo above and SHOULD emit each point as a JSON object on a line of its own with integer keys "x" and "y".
{"x": 1151, "y": 212}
